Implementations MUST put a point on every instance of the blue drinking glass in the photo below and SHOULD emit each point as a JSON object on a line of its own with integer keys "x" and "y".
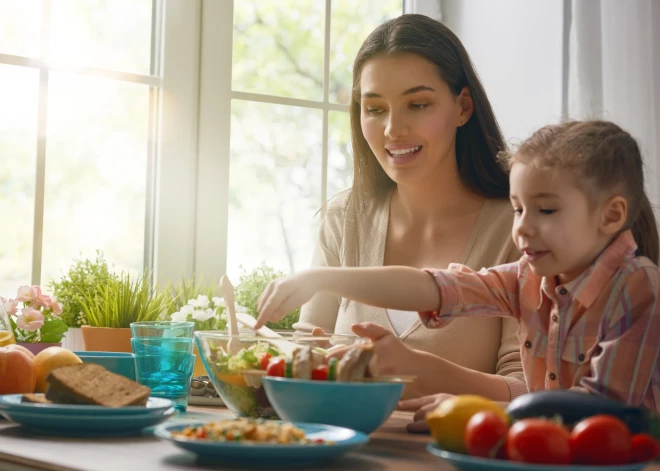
{"x": 167, "y": 374}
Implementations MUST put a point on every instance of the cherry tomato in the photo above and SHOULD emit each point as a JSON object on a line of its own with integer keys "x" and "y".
{"x": 485, "y": 434}
{"x": 643, "y": 448}
{"x": 320, "y": 373}
{"x": 275, "y": 367}
{"x": 263, "y": 362}
{"x": 538, "y": 441}
{"x": 200, "y": 433}
{"x": 601, "y": 439}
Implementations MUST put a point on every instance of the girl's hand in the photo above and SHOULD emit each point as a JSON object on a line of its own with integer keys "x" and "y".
{"x": 283, "y": 295}
{"x": 422, "y": 406}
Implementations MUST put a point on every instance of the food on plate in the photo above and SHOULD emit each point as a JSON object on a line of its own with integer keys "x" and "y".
{"x": 539, "y": 432}
{"x": 50, "y": 358}
{"x": 35, "y": 398}
{"x": 485, "y": 434}
{"x": 538, "y": 441}
{"x": 601, "y": 439}
{"x": 92, "y": 384}
{"x": 17, "y": 371}
{"x": 573, "y": 406}
{"x": 449, "y": 420}
{"x": 248, "y": 430}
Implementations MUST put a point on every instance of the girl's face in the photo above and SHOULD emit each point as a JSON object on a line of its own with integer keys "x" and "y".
{"x": 409, "y": 116}
{"x": 554, "y": 226}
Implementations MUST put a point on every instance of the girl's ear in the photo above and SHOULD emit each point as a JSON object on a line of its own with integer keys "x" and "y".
{"x": 467, "y": 106}
{"x": 614, "y": 216}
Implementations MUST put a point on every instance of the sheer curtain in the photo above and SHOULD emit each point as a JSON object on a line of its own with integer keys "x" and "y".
{"x": 614, "y": 72}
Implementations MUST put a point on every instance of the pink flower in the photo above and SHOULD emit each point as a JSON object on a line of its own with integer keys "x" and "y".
{"x": 55, "y": 307}
{"x": 30, "y": 319}
{"x": 11, "y": 306}
{"x": 28, "y": 294}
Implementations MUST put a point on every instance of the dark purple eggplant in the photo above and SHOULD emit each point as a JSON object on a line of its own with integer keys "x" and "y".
{"x": 573, "y": 406}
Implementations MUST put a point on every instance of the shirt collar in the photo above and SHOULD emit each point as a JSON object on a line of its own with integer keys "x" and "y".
{"x": 588, "y": 285}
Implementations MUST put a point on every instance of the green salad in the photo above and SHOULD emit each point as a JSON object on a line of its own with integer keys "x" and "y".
{"x": 247, "y": 358}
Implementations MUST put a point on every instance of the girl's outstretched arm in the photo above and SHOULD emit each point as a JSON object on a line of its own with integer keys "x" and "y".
{"x": 393, "y": 287}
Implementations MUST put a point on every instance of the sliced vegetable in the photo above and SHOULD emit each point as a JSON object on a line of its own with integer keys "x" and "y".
{"x": 263, "y": 361}
{"x": 288, "y": 368}
{"x": 332, "y": 369}
{"x": 276, "y": 367}
{"x": 320, "y": 373}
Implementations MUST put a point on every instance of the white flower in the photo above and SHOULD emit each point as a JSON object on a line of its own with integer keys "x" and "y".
{"x": 203, "y": 315}
{"x": 201, "y": 301}
{"x": 218, "y": 302}
{"x": 187, "y": 309}
{"x": 179, "y": 316}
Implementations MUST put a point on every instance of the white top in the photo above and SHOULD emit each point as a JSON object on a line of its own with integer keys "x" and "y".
{"x": 401, "y": 320}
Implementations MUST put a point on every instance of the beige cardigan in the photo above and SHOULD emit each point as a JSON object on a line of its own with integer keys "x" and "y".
{"x": 489, "y": 345}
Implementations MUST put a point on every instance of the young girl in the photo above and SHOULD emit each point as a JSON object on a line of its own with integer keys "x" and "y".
{"x": 585, "y": 292}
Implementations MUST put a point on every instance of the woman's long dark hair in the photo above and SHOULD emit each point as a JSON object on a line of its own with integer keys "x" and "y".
{"x": 477, "y": 142}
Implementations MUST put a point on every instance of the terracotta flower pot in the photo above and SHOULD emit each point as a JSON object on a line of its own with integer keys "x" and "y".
{"x": 39, "y": 346}
{"x": 106, "y": 339}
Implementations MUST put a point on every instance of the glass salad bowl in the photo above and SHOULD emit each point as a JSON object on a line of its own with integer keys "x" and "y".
{"x": 235, "y": 364}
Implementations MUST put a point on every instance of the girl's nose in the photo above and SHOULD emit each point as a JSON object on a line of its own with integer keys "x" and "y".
{"x": 523, "y": 226}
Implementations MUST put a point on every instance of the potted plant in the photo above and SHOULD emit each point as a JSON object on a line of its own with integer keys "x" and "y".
{"x": 84, "y": 275}
{"x": 35, "y": 319}
{"x": 112, "y": 306}
{"x": 250, "y": 287}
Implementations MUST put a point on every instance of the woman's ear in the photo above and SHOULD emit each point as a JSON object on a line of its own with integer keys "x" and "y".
{"x": 466, "y": 104}
{"x": 614, "y": 216}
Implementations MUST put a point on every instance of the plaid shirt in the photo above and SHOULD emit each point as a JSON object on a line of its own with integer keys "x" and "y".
{"x": 600, "y": 333}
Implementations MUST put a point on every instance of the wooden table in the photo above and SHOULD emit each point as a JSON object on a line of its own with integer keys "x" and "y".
{"x": 389, "y": 448}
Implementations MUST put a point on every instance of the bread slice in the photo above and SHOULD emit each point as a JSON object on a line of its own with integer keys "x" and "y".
{"x": 88, "y": 383}
{"x": 35, "y": 399}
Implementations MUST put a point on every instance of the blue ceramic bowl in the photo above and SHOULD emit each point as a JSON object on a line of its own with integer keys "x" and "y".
{"x": 359, "y": 406}
{"x": 115, "y": 362}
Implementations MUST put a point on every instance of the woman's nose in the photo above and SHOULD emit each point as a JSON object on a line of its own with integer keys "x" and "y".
{"x": 396, "y": 127}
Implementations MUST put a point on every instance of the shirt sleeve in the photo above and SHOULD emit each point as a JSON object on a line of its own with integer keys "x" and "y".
{"x": 465, "y": 292}
{"x": 628, "y": 356}
{"x": 322, "y": 310}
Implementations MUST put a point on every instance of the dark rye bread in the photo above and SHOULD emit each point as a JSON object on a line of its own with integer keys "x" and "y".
{"x": 87, "y": 383}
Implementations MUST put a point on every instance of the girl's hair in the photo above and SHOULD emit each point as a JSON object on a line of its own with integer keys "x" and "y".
{"x": 477, "y": 142}
{"x": 606, "y": 161}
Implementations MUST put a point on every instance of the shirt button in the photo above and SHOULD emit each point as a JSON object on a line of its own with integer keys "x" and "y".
{"x": 562, "y": 291}
{"x": 528, "y": 344}
{"x": 555, "y": 318}
{"x": 581, "y": 357}
{"x": 553, "y": 376}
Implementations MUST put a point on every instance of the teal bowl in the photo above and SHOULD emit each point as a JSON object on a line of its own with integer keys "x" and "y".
{"x": 115, "y": 362}
{"x": 359, "y": 406}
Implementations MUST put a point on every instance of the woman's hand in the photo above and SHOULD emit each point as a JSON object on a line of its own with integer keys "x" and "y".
{"x": 392, "y": 356}
{"x": 422, "y": 406}
{"x": 285, "y": 294}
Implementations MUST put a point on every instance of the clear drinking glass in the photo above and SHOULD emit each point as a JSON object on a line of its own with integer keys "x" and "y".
{"x": 6, "y": 333}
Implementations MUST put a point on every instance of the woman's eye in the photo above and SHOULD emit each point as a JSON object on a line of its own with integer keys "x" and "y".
{"x": 517, "y": 211}
{"x": 419, "y": 106}
{"x": 548, "y": 211}
{"x": 374, "y": 111}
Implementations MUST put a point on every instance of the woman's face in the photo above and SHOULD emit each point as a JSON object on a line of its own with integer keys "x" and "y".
{"x": 409, "y": 116}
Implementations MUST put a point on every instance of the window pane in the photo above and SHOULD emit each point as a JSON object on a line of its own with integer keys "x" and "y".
{"x": 278, "y": 48}
{"x": 109, "y": 34}
{"x": 340, "y": 156}
{"x": 350, "y": 25}
{"x": 20, "y": 27}
{"x": 96, "y": 162}
{"x": 274, "y": 189}
{"x": 19, "y": 90}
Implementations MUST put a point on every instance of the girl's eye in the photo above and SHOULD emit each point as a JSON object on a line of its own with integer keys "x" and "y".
{"x": 419, "y": 106}
{"x": 548, "y": 211}
{"x": 517, "y": 211}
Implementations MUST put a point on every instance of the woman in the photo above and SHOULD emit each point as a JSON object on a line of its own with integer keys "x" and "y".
{"x": 427, "y": 191}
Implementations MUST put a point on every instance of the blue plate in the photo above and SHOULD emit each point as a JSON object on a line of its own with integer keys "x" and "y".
{"x": 87, "y": 421}
{"x": 12, "y": 402}
{"x": 270, "y": 455}
{"x": 472, "y": 463}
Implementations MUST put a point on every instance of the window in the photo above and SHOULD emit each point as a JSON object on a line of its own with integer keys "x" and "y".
{"x": 288, "y": 130}
{"x": 79, "y": 86}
